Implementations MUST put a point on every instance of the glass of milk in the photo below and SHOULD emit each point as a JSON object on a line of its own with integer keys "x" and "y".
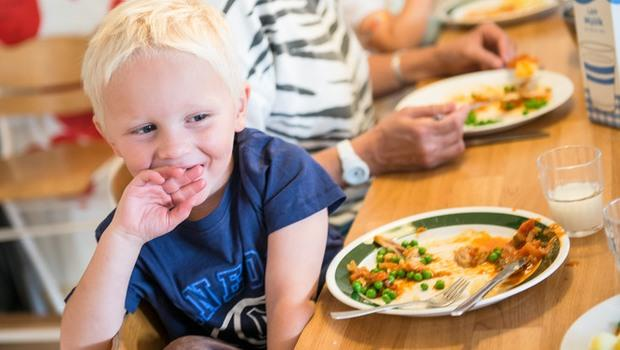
{"x": 572, "y": 180}
{"x": 611, "y": 215}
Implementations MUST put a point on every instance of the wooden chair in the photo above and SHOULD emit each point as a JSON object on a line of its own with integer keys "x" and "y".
{"x": 141, "y": 330}
{"x": 37, "y": 77}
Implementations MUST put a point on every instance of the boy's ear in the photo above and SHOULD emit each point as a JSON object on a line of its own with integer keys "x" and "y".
{"x": 243, "y": 108}
{"x": 99, "y": 128}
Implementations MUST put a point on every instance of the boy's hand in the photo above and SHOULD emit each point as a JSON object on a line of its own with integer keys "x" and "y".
{"x": 156, "y": 201}
{"x": 177, "y": 180}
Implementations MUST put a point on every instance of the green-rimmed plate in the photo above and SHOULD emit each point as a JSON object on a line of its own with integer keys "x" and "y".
{"x": 442, "y": 224}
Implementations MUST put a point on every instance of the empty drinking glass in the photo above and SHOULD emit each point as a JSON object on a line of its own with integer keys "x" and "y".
{"x": 572, "y": 181}
{"x": 611, "y": 214}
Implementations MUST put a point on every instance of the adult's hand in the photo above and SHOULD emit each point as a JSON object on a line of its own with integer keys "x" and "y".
{"x": 485, "y": 47}
{"x": 413, "y": 138}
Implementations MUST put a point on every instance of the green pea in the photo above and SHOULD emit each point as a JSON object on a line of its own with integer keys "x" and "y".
{"x": 493, "y": 257}
{"x": 389, "y": 293}
{"x": 375, "y": 270}
{"x": 386, "y": 298}
{"x": 395, "y": 259}
{"x": 391, "y": 279}
{"x": 380, "y": 258}
{"x": 426, "y": 274}
{"x": 355, "y": 296}
{"x": 413, "y": 243}
{"x": 363, "y": 290}
{"x": 401, "y": 273}
{"x": 371, "y": 293}
{"x": 410, "y": 275}
{"x": 382, "y": 251}
{"x": 426, "y": 259}
{"x": 357, "y": 286}
{"x": 423, "y": 286}
{"x": 417, "y": 277}
{"x": 422, "y": 250}
{"x": 404, "y": 244}
{"x": 378, "y": 285}
{"x": 440, "y": 284}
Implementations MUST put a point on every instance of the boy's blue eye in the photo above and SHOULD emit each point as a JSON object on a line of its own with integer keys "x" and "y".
{"x": 145, "y": 129}
{"x": 198, "y": 117}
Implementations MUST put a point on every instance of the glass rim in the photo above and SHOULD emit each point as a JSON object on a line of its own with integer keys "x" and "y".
{"x": 607, "y": 209}
{"x": 597, "y": 157}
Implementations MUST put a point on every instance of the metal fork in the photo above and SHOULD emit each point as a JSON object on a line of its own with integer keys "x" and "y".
{"x": 443, "y": 298}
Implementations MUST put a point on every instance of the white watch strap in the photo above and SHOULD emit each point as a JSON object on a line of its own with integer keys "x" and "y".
{"x": 347, "y": 153}
{"x": 354, "y": 170}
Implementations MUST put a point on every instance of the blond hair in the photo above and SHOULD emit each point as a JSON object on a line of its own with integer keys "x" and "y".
{"x": 145, "y": 26}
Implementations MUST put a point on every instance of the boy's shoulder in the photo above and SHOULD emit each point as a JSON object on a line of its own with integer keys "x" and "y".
{"x": 257, "y": 151}
{"x": 257, "y": 142}
{"x": 268, "y": 166}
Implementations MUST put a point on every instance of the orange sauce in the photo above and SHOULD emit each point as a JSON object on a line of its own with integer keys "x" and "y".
{"x": 486, "y": 242}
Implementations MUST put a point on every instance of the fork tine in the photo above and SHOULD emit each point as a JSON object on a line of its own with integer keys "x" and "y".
{"x": 456, "y": 288}
{"x": 443, "y": 296}
{"x": 450, "y": 291}
{"x": 459, "y": 289}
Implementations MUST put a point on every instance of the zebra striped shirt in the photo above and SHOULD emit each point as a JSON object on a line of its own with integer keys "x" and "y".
{"x": 308, "y": 73}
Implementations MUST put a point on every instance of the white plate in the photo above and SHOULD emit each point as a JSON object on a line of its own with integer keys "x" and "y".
{"x": 455, "y": 12}
{"x": 601, "y": 318}
{"x": 445, "y": 90}
{"x": 444, "y": 223}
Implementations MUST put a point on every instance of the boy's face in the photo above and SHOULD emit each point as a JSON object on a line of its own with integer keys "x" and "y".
{"x": 173, "y": 109}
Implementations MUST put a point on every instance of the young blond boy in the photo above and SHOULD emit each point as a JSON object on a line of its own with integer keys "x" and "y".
{"x": 222, "y": 227}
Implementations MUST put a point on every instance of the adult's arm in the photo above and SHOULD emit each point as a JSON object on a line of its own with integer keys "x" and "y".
{"x": 409, "y": 139}
{"x": 485, "y": 47}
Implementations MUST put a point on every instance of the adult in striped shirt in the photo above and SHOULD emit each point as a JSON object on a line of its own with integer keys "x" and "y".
{"x": 312, "y": 84}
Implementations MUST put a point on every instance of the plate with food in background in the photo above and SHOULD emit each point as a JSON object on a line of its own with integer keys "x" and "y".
{"x": 418, "y": 256}
{"x": 597, "y": 329}
{"x": 500, "y": 99}
{"x": 473, "y": 12}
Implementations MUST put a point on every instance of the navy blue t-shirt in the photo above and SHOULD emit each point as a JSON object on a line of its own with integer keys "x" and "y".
{"x": 207, "y": 277}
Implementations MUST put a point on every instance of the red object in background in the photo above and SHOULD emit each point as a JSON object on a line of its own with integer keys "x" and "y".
{"x": 76, "y": 128}
{"x": 19, "y": 20}
{"x": 114, "y": 3}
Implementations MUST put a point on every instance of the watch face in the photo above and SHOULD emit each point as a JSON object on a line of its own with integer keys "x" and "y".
{"x": 356, "y": 175}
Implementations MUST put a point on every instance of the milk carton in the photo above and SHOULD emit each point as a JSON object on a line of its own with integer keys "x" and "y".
{"x": 598, "y": 33}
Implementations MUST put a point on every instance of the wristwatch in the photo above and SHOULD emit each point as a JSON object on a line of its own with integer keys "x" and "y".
{"x": 354, "y": 170}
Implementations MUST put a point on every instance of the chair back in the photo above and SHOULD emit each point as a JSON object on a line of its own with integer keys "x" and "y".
{"x": 42, "y": 75}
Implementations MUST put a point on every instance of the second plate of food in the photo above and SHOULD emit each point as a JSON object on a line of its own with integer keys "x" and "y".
{"x": 595, "y": 329}
{"x": 500, "y": 101}
{"x": 416, "y": 257}
{"x": 473, "y": 12}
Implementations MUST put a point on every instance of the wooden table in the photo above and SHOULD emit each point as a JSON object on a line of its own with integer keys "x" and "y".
{"x": 493, "y": 175}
